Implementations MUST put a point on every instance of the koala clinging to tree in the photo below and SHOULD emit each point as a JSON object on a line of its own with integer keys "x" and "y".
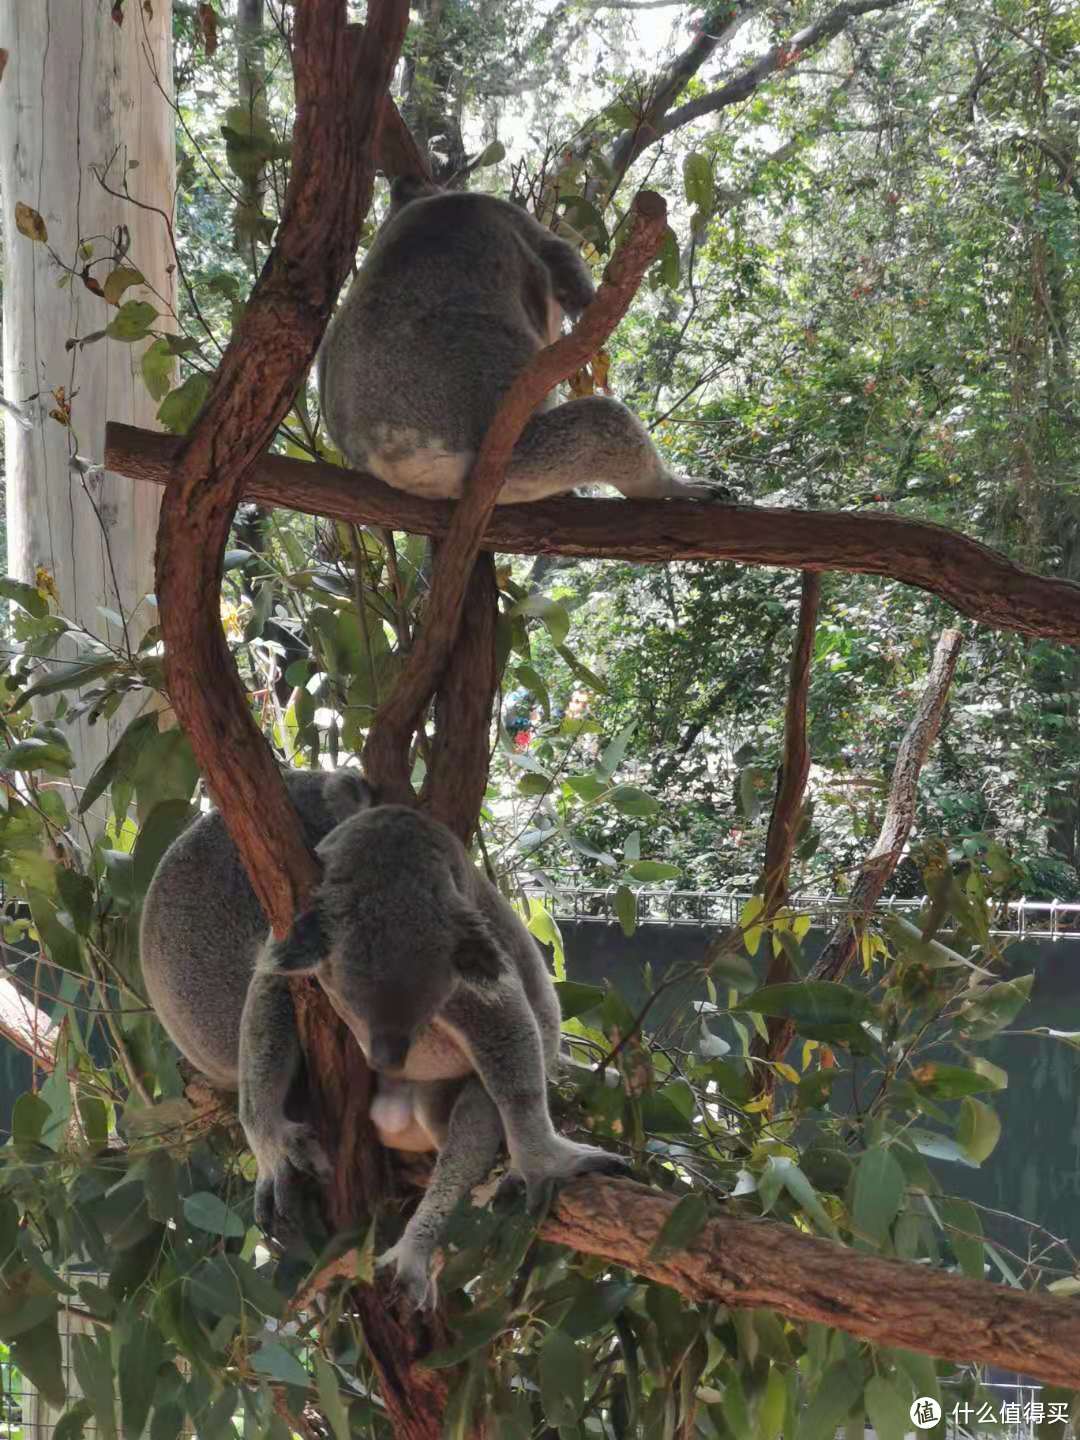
{"x": 442, "y": 986}
{"x": 455, "y": 297}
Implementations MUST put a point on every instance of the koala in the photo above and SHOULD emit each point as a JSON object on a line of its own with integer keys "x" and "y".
{"x": 202, "y": 932}
{"x": 437, "y": 979}
{"x": 449, "y": 998}
{"x": 456, "y": 295}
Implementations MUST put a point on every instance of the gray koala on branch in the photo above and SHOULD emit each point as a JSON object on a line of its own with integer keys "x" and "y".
{"x": 439, "y": 982}
{"x": 456, "y": 295}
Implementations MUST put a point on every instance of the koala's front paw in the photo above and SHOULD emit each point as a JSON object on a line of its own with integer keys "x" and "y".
{"x": 694, "y": 490}
{"x": 413, "y": 1275}
{"x": 280, "y": 1190}
{"x": 564, "y": 1162}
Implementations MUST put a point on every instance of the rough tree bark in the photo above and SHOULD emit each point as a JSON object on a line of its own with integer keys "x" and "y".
{"x": 761, "y": 1263}
{"x": 340, "y": 87}
{"x": 978, "y": 582}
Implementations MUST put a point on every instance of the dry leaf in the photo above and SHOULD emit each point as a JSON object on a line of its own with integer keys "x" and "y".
{"x": 29, "y": 223}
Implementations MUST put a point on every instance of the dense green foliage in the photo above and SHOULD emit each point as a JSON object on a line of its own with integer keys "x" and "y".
{"x": 868, "y": 299}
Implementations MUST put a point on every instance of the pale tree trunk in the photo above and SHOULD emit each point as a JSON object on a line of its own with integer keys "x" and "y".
{"x": 82, "y": 95}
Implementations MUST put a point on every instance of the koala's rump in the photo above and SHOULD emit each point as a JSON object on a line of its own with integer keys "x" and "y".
{"x": 202, "y": 929}
{"x": 421, "y": 395}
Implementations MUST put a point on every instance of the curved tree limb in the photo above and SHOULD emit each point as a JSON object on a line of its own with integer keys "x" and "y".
{"x": 386, "y": 754}
{"x": 979, "y": 582}
{"x": 719, "y": 26}
{"x": 783, "y": 56}
{"x": 751, "y": 1263}
{"x": 340, "y": 85}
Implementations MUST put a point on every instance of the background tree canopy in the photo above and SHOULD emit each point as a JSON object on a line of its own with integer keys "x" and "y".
{"x": 866, "y": 300}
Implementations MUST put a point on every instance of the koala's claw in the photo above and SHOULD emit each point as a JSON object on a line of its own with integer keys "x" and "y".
{"x": 280, "y": 1191}
{"x": 305, "y": 1153}
{"x": 412, "y": 1274}
{"x": 567, "y": 1163}
{"x": 695, "y": 490}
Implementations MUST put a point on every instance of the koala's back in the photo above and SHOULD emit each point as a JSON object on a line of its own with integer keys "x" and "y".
{"x": 450, "y": 304}
{"x": 203, "y": 927}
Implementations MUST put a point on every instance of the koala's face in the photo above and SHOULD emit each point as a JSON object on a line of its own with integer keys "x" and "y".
{"x": 390, "y": 936}
{"x": 387, "y": 982}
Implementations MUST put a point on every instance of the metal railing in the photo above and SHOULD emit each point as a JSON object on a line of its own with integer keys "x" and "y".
{"x": 656, "y": 905}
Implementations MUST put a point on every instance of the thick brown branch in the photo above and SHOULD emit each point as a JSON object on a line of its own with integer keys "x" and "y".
{"x": 975, "y": 580}
{"x": 759, "y": 1263}
{"x": 387, "y": 749}
{"x": 878, "y": 867}
{"x": 461, "y": 751}
{"x": 340, "y": 85}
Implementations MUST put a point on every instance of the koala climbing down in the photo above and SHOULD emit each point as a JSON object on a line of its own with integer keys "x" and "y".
{"x": 436, "y": 977}
{"x": 456, "y": 295}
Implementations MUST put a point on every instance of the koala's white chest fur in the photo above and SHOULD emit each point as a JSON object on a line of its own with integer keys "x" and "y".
{"x": 435, "y": 1053}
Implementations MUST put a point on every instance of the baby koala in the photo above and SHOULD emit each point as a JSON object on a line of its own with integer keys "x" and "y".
{"x": 442, "y": 986}
{"x": 456, "y": 295}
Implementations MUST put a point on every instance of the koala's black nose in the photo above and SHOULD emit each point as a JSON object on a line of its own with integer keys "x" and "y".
{"x": 389, "y": 1049}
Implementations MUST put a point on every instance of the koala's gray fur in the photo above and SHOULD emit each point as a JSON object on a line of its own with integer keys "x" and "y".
{"x": 455, "y": 297}
{"x": 442, "y": 986}
{"x": 449, "y": 997}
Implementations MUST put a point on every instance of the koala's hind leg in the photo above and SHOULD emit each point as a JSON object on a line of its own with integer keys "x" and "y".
{"x": 284, "y": 1149}
{"x": 499, "y": 1030}
{"x": 590, "y": 441}
{"x": 470, "y": 1141}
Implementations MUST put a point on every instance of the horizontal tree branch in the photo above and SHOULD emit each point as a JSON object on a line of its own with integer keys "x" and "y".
{"x": 761, "y": 1263}
{"x": 975, "y": 580}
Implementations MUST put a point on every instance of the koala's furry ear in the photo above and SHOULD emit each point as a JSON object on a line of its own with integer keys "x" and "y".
{"x": 346, "y": 792}
{"x": 300, "y": 951}
{"x": 407, "y": 188}
{"x": 478, "y": 954}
